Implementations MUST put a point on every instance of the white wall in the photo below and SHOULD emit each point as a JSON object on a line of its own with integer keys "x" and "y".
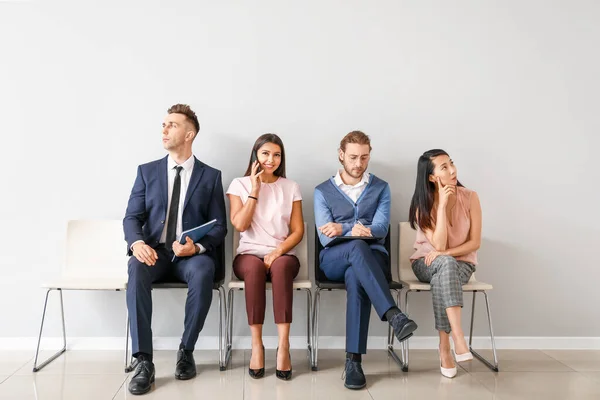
{"x": 509, "y": 88}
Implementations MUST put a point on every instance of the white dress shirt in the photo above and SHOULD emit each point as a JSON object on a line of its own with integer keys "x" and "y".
{"x": 352, "y": 191}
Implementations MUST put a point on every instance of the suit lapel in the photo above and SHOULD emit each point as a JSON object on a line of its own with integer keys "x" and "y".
{"x": 196, "y": 176}
{"x": 163, "y": 181}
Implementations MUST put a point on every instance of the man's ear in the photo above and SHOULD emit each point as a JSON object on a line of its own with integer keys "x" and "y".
{"x": 341, "y": 155}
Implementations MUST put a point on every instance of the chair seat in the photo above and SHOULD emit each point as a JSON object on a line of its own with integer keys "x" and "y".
{"x": 333, "y": 285}
{"x": 299, "y": 284}
{"x": 469, "y": 287}
{"x": 86, "y": 283}
{"x": 180, "y": 285}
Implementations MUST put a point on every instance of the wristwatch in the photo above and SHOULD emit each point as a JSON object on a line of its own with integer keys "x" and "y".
{"x": 197, "y": 247}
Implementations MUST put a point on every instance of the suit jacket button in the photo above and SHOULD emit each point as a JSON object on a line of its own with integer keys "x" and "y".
{"x": 162, "y": 222}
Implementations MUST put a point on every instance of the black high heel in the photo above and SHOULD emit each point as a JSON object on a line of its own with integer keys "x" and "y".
{"x": 283, "y": 375}
{"x": 258, "y": 373}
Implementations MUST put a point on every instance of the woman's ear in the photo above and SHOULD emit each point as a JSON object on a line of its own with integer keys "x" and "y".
{"x": 432, "y": 178}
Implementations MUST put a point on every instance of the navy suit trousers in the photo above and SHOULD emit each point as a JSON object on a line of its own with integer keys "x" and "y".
{"x": 197, "y": 271}
{"x": 366, "y": 275}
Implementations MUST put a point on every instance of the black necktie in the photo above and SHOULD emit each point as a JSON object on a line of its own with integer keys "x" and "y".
{"x": 173, "y": 210}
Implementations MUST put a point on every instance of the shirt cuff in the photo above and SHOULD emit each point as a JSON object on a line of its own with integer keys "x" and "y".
{"x": 202, "y": 249}
{"x": 134, "y": 243}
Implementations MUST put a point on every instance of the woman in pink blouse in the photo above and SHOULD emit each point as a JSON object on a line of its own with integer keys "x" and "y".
{"x": 447, "y": 217}
{"x": 266, "y": 208}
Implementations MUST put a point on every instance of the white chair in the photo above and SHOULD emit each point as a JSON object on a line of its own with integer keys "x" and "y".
{"x": 301, "y": 282}
{"x": 412, "y": 284}
{"x": 95, "y": 260}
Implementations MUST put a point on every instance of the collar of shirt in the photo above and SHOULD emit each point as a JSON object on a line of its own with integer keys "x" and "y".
{"x": 338, "y": 180}
{"x": 188, "y": 165}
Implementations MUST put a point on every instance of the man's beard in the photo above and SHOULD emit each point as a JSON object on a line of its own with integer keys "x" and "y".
{"x": 354, "y": 174}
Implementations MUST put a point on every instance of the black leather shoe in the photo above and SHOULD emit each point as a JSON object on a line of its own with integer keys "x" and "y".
{"x": 143, "y": 378}
{"x": 283, "y": 375}
{"x": 186, "y": 366}
{"x": 258, "y": 373}
{"x": 403, "y": 326}
{"x": 355, "y": 377}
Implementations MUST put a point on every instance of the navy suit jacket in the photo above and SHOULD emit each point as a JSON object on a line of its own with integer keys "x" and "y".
{"x": 146, "y": 213}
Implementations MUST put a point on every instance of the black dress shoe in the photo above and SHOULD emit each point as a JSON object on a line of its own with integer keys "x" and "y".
{"x": 143, "y": 378}
{"x": 186, "y": 366}
{"x": 355, "y": 377}
{"x": 258, "y": 373}
{"x": 403, "y": 326}
{"x": 283, "y": 375}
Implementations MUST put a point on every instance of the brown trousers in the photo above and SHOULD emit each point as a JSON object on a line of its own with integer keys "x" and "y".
{"x": 251, "y": 269}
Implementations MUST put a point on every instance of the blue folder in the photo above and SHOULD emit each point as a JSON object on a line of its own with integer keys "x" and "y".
{"x": 344, "y": 239}
{"x": 195, "y": 234}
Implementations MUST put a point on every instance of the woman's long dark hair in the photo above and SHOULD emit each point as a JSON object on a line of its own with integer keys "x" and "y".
{"x": 263, "y": 139}
{"x": 422, "y": 200}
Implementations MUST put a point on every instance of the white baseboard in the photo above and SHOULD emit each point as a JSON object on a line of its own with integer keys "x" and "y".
{"x": 299, "y": 342}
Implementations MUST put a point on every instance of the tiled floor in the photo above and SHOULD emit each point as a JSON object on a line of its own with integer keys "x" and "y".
{"x": 525, "y": 374}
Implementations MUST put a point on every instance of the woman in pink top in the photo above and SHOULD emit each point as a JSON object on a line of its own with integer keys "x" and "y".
{"x": 266, "y": 208}
{"x": 447, "y": 217}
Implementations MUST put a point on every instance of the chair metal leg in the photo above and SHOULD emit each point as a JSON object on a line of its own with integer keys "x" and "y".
{"x": 229, "y": 328}
{"x": 127, "y": 361}
{"x": 399, "y": 360}
{"x": 130, "y": 362}
{"x": 315, "y": 338}
{"x": 308, "y": 327}
{"x": 493, "y": 367}
{"x": 390, "y": 338}
{"x": 405, "y": 343}
{"x": 37, "y": 367}
{"x": 472, "y": 319}
{"x": 222, "y": 321}
{"x": 403, "y": 346}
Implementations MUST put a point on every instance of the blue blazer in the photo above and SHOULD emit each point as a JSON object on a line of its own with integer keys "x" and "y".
{"x": 147, "y": 207}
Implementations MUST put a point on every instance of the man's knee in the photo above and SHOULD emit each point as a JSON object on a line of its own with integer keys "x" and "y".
{"x": 201, "y": 271}
{"x": 359, "y": 246}
{"x": 138, "y": 272}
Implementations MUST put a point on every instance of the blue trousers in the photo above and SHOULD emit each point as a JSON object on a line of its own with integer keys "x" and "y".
{"x": 197, "y": 271}
{"x": 366, "y": 275}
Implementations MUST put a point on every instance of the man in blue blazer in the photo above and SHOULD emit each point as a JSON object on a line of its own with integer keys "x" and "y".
{"x": 169, "y": 196}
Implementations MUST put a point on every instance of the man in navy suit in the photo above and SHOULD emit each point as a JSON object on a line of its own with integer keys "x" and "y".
{"x": 171, "y": 195}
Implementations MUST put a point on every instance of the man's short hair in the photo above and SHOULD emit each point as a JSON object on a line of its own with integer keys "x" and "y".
{"x": 187, "y": 111}
{"x": 357, "y": 137}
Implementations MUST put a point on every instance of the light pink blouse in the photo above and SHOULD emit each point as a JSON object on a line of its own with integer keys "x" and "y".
{"x": 458, "y": 231}
{"x": 270, "y": 224}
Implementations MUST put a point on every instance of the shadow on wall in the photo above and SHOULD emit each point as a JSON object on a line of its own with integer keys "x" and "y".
{"x": 539, "y": 286}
